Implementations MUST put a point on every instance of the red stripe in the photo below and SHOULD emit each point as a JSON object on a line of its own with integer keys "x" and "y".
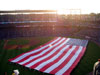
{"x": 51, "y": 56}
{"x": 35, "y": 53}
{"x": 43, "y": 54}
{"x": 33, "y": 49}
{"x": 35, "y": 65}
{"x": 64, "y": 62}
{"x": 75, "y": 62}
{"x": 55, "y": 61}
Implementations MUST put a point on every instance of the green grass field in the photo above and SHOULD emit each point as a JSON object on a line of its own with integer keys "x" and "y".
{"x": 83, "y": 68}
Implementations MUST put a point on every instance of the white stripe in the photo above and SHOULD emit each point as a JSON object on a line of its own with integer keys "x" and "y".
{"x": 26, "y": 54}
{"x": 68, "y": 65}
{"x": 52, "y": 59}
{"x": 32, "y": 57}
{"x": 61, "y": 60}
{"x": 54, "y": 50}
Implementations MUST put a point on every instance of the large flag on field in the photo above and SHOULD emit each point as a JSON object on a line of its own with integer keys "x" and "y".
{"x": 58, "y": 56}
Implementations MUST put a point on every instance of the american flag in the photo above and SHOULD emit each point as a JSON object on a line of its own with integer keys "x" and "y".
{"x": 58, "y": 56}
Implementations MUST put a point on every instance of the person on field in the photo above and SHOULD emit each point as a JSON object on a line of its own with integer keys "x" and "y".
{"x": 96, "y": 68}
{"x": 15, "y": 72}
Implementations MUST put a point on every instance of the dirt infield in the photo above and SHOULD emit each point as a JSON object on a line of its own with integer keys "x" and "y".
{"x": 31, "y": 42}
{"x": 10, "y": 47}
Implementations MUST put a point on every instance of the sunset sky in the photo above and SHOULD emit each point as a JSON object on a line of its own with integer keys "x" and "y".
{"x": 87, "y": 6}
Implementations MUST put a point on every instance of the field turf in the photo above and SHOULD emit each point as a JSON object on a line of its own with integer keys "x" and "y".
{"x": 83, "y": 68}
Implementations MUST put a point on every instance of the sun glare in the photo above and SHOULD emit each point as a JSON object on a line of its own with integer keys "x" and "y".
{"x": 61, "y": 11}
{"x": 59, "y": 5}
{"x": 68, "y": 11}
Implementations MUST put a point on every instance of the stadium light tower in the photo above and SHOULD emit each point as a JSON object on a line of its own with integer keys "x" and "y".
{"x": 75, "y": 12}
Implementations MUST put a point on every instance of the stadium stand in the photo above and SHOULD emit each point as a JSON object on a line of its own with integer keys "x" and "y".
{"x": 15, "y": 24}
